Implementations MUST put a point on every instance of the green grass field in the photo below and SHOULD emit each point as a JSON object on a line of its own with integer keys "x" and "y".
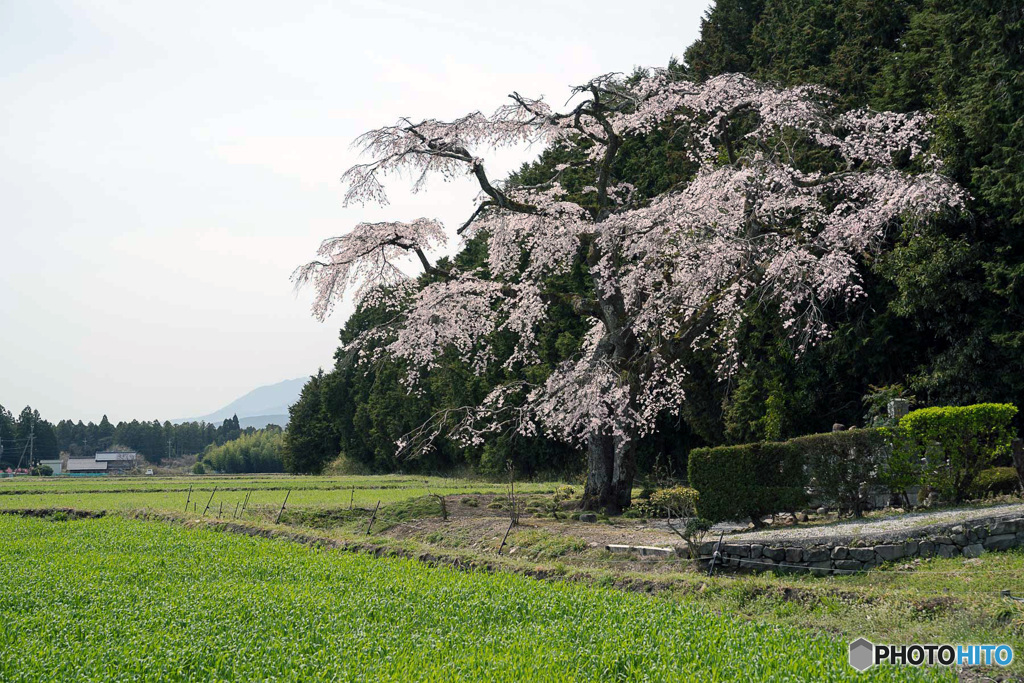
{"x": 936, "y": 600}
{"x": 116, "y": 600}
{"x": 170, "y": 493}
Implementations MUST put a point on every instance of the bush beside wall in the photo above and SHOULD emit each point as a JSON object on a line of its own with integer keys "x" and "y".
{"x": 996, "y": 481}
{"x": 751, "y": 480}
{"x": 955, "y": 443}
{"x": 837, "y": 462}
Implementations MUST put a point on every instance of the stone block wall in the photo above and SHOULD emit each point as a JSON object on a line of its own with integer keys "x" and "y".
{"x": 843, "y": 556}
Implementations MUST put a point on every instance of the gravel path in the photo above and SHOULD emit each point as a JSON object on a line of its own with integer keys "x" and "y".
{"x": 867, "y": 527}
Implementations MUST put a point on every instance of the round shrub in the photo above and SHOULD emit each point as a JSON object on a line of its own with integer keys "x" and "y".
{"x": 956, "y": 443}
{"x": 996, "y": 481}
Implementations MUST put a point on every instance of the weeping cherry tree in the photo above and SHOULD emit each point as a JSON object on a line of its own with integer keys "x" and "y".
{"x": 788, "y": 193}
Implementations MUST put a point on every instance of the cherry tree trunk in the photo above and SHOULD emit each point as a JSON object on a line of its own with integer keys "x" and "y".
{"x": 611, "y": 466}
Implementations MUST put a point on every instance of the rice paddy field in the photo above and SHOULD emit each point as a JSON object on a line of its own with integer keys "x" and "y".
{"x": 210, "y": 593}
{"x": 170, "y": 494}
{"x": 115, "y": 599}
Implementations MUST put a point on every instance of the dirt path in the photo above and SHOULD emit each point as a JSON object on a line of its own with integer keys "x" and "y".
{"x": 872, "y": 527}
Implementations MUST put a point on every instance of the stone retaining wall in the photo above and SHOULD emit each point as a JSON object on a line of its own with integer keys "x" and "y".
{"x": 823, "y": 557}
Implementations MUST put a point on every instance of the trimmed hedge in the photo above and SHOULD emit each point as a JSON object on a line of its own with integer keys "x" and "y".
{"x": 955, "y": 443}
{"x": 751, "y": 480}
{"x": 945, "y": 449}
{"x": 837, "y": 462}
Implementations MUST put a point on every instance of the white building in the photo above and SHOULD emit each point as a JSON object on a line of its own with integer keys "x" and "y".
{"x": 104, "y": 462}
{"x": 54, "y": 465}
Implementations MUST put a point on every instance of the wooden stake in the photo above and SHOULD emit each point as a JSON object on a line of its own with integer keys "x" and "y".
{"x": 236, "y": 510}
{"x": 372, "y": 517}
{"x": 352, "y": 498}
{"x": 279, "y": 512}
{"x": 189, "y": 497}
{"x": 715, "y": 555}
{"x": 209, "y": 501}
{"x": 246, "y": 501}
{"x": 510, "y": 525}
{"x": 221, "y": 513}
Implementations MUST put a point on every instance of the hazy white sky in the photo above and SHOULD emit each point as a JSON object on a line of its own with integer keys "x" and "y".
{"x": 165, "y": 165}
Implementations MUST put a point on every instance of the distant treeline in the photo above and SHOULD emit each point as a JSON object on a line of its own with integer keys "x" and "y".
{"x": 258, "y": 451}
{"x": 14, "y": 438}
{"x": 155, "y": 440}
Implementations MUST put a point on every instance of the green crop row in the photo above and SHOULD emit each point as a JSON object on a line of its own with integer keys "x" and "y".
{"x": 67, "y": 484}
{"x": 121, "y": 600}
{"x": 171, "y": 494}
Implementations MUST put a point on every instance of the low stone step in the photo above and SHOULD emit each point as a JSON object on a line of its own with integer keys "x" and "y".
{"x": 642, "y": 550}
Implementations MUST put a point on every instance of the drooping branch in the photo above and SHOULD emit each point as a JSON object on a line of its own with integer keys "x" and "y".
{"x": 364, "y": 259}
{"x": 666, "y": 274}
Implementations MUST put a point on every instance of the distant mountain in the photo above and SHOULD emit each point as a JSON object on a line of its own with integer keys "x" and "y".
{"x": 260, "y": 407}
{"x": 261, "y": 421}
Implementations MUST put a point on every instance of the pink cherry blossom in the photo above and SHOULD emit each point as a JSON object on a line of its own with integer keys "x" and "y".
{"x": 667, "y": 272}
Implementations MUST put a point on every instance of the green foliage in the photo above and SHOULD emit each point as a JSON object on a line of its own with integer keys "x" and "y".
{"x": 343, "y": 465}
{"x": 537, "y": 544}
{"x": 565, "y": 492}
{"x": 951, "y": 294}
{"x": 877, "y": 400}
{"x": 693, "y": 530}
{"x": 311, "y": 440}
{"x": 995, "y": 481}
{"x": 8, "y": 445}
{"x": 956, "y": 443}
{"x": 772, "y": 397}
{"x": 14, "y": 438}
{"x": 217, "y": 606}
{"x": 152, "y": 439}
{"x": 675, "y": 501}
{"x": 261, "y": 451}
{"x": 837, "y": 463}
{"x": 750, "y": 480}
{"x": 641, "y": 508}
{"x": 902, "y": 468}
{"x": 198, "y": 468}
{"x": 724, "y": 45}
{"x": 365, "y": 409}
{"x": 678, "y": 501}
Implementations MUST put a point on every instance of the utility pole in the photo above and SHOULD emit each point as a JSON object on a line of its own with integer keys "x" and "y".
{"x": 22, "y": 458}
{"x": 28, "y": 447}
{"x": 170, "y": 453}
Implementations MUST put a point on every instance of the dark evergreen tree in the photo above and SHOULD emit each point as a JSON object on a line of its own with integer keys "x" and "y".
{"x": 311, "y": 440}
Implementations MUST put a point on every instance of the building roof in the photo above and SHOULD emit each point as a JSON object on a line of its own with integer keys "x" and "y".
{"x": 86, "y": 465}
{"x": 107, "y": 456}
